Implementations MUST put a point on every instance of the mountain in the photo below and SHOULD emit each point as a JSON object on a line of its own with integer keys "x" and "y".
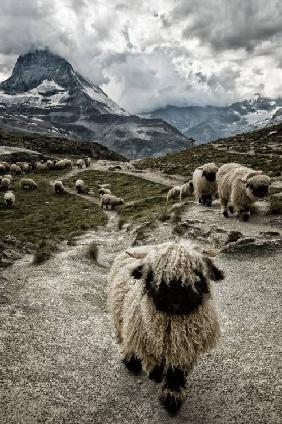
{"x": 46, "y": 95}
{"x": 206, "y": 123}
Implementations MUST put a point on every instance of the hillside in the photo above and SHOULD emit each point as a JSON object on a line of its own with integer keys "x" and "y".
{"x": 261, "y": 149}
{"x": 50, "y": 146}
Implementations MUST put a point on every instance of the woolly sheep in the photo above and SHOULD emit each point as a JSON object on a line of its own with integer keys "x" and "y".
{"x": 6, "y": 165}
{"x": 59, "y": 187}
{"x": 239, "y": 187}
{"x": 87, "y": 162}
{"x": 15, "y": 169}
{"x": 162, "y": 308}
{"x": 173, "y": 193}
{"x": 204, "y": 182}
{"x": 79, "y": 163}
{"x": 42, "y": 167}
{"x": 80, "y": 186}
{"x": 104, "y": 191}
{"x": 9, "y": 199}
{"x": 5, "y": 183}
{"x": 28, "y": 183}
{"x": 26, "y": 168}
{"x": 68, "y": 164}
{"x": 186, "y": 190}
{"x": 111, "y": 201}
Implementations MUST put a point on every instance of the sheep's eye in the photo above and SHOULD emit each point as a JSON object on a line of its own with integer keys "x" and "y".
{"x": 137, "y": 273}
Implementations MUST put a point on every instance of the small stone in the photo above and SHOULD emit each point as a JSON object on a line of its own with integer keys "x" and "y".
{"x": 276, "y": 203}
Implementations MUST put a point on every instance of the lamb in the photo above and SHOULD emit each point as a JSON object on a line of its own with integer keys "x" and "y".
{"x": 204, "y": 182}
{"x": 5, "y": 184}
{"x": 239, "y": 187}
{"x": 9, "y": 199}
{"x": 173, "y": 193}
{"x": 111, "y": 201}
{"x": 59, "y": 187}
{"x": 104, "y": 191}
{"x": 28, "y": 183}
{"x": 186, "y": 190}
{"x": 162, "y": 308}
{"x": 80, "y": 186}
{"x": 87, "y": 162}
{"x": 79, "y": 163}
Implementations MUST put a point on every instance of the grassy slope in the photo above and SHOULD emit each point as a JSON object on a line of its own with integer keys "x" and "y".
{"x": 151, "y": 197}
{"x": 266, "y": 146}
{"x": 41, "y": 213}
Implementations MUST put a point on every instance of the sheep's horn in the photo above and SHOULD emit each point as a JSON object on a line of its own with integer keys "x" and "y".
{"x": 136, "y": 255}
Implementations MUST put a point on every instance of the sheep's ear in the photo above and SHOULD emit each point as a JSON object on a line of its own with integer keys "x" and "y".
{"x": 215, "y": 273}
{"x": 137, "y": 273}
{"x": 136, "y": 255}
{"x": 200, "y": 167}
{"x": 253, "y": 174}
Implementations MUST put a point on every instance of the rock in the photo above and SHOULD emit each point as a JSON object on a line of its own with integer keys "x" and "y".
{"x": 269, "y": 233}
{"x": 276, "y": 187}
{"x": 276, "y": 203}
{"x": 234, "y": 236}
{"x": 10, "y": 239}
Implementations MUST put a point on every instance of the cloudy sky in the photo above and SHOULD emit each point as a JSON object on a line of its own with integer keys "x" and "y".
{"x": 147, "y": 54}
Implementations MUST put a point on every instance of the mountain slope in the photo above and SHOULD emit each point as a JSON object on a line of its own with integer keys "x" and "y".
{"x": 206, "y": 123}
{"x": 44, "y": 94}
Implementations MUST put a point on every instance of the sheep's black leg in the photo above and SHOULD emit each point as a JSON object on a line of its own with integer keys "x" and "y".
{"x": 157, "y": 373}
{"x": 245, "y": 213}
{"x": 231, "y": 209}
{"x": 208, "y": 200}
{"x": 171, "y": 397}
{"x": 133, "y": 364}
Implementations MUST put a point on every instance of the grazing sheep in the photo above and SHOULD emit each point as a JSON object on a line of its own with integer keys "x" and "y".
{"x": 59, "y": 187}
{"x": 163, "y": 312}
{"x": 13, "y": 168}
{"x": 79, "y": 163}
{"x": 5, "y": 184}
{"x": 104, "y": 191}
{"x": 50, "y": 164}
{"x": 204, "y": 182}
{"x": 60, "y": 164}
{"x": 80, "y": 186}
{"x": 186, "y": 190}
{"x": 2, "y": 168}
{"x": 239, "y": 187}
{"x": 42, "y": 167}
{"x": 9, "y": 199}
{"x": 6, "y": 165}
{"x": 8, "y": 176}
{"x": 87, "y": 162}
{"x": 111, "y": 201}
{"x": 25, "y": 168}
{"x": 68, "y": 164}
{"x": 173, "y": 193}
{"x": 28, "y": 183}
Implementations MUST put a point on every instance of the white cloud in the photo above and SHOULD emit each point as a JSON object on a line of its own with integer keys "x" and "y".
{"x": 149, "y": 54}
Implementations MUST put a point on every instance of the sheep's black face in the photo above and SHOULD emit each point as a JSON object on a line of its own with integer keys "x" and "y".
{"x": 210, "y": 176}
{"x": 176, "y": 297}
{"x": 259, "y": 191}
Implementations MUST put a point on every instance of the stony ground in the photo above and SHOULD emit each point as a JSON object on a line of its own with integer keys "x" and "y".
{"x": 59, "y": 360}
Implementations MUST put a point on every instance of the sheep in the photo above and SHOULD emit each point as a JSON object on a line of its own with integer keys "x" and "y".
{"x": 5, "y": 184}
{"x": 104, "y": 191}
{"x": 2, "y": 168}
{"x": 14, "y": 168}
{"x": 68, "y": 164}
{"x": 80, "y": 186}
{"x": 8, "y": 176}
{"x": 79, "y": 163}
{"x": 186, "y": 190}
{"x": 87, "y": 162}
{"x": 42, "y": 167}
{"x": 59, "y": 187}
{"x": 239, "y": 187}
{"x": 110, "y": 200}
{"x": 204, "y": 182}
{"x": 9, "y": 199}
{"x": 173, "y": 193}
{"x": 162, "y": 308}
{"x": 28, "y": 183}
{"x": 6, "y": 165}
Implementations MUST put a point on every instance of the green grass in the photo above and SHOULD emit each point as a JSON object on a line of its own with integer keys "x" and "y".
{"x": 150, "y": 196}
{"x": 40, "y": 214}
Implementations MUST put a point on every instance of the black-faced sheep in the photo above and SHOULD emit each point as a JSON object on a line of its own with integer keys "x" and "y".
{"x": 68, "y": 163}
{"x": 80, "y": 187}
{"x": 104, "y": 191}
{"x": 28, "y": 183}
{"x": 5, "y": 183}
{"x": 186, "y": 190}
{"x": 80, "y": 163}
{"x": 110, "y": 201}
{"x": 9, "y": 199}
{"x": 173, "y": 193}
{"x": 59, "y": 187}
{"x": 163, "y": 312}
{"x": 204, "y": 182}
{"x": 239, "y": 187}
{"x": 15, "y": 169}
{"x": 42, "y": 167}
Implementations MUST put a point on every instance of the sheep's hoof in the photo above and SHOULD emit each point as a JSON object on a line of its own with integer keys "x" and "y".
{"x": 157, "y": 374}
{"x": 171, "y": 403}
{"x": 231, "y": 209}
{"x": 225, "y": 214}
{"x": 245, "y": 217}
{"x": 133, "y": 364}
